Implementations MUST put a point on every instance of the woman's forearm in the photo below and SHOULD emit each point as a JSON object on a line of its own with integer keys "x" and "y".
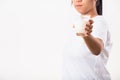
{"x": 95, "y": 45}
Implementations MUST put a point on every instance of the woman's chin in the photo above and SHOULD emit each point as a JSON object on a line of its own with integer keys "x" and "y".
{"x": 81, "y": 12}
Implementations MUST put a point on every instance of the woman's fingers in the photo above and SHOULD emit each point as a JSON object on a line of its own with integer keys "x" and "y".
{"x": 91, "y": 21}
{"x": 80, "y": 34}
{"x": 88, "y": 30}
{"x": 88, "y": 27}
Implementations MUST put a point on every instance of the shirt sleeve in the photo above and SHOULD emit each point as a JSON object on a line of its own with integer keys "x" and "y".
{"x": 100, "y": 30}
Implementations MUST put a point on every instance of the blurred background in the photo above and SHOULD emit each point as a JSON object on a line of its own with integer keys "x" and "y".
{"x": 33, "y": 34}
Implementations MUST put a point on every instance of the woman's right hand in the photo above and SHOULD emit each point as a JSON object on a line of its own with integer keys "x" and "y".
{"x": 87, "y": 29}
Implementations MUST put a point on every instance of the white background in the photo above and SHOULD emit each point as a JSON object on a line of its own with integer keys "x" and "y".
{"x": 112, "y": 15}
{"x": 32, "y": 35}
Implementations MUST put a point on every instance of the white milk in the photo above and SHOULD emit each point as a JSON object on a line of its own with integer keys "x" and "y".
{"x": 80, "y": 23}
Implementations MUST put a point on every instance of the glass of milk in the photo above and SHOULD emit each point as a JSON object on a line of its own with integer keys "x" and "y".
{"x": 80, "y": 23}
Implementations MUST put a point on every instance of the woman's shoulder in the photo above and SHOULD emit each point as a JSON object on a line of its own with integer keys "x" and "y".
{"x": 98, "y": 18}
{"x": 100, "y": 24}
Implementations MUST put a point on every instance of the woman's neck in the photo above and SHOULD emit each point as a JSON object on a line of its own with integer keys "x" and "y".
{"x": 92, "y": 13}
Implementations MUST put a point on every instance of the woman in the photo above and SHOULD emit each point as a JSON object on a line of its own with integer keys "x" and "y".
{"x": 86, "y": 55}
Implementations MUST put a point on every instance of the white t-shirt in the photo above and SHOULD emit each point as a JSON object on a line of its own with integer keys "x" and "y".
{"x": 78, "y": 61}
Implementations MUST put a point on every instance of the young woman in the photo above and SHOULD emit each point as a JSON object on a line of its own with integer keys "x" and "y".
{"x": 86, "y": 55}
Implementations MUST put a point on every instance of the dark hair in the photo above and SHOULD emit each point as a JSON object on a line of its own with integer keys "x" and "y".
{"x": 99, "y": 7}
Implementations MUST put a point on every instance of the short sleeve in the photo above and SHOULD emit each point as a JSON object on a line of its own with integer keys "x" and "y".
{"x": 100, "y": 29}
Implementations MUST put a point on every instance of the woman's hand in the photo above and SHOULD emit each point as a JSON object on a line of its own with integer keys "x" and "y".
{"x": 87, "y": 29}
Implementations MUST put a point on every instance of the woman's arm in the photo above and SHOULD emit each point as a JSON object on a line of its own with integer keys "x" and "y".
{"x": 95, "y": 45}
